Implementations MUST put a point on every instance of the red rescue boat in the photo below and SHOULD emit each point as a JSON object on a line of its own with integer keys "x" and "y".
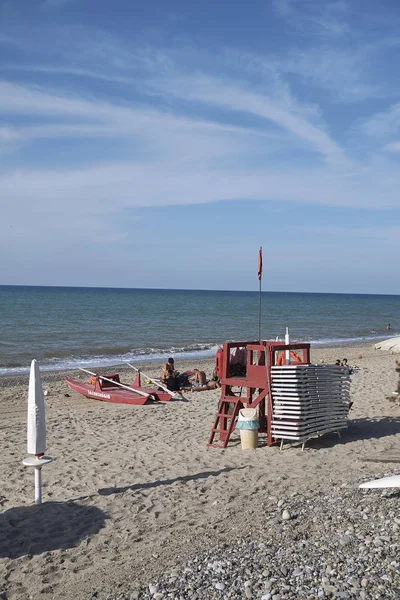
{"x": 108, "y": 388}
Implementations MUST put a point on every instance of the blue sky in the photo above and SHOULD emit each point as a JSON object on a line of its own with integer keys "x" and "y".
{"x": 159, "y": 144}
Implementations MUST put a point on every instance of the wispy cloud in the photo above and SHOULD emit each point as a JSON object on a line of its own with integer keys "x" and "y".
{"x": 385, "y": 235}
{"x": 55, "y": 3}
{"x": 235, "y": 97}
{"x": 183, "y": 180}
{"x": 62, "y": 70}
{"x": 321, "y": 16}
{"x": 8, "y": 134}
{"x": 383, "y": 123}
{"x": 88, "y": 117}
{"x": 350, "y": 68}
{"x": 392, "y": 147}
{"x": 236, "y": 127}
{"x": 328, "y": 67}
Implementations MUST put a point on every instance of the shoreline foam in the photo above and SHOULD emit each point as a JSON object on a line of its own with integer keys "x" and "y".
{"x": 148, "y": 359}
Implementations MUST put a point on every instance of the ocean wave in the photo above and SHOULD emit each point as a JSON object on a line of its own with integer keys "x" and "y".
{"x": 136, "y": 356}
{"x": 373, "y": 338}
{"x": 179, "y": 352}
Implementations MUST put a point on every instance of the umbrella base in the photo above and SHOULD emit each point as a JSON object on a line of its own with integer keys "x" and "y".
{"x": 33, "y": 461}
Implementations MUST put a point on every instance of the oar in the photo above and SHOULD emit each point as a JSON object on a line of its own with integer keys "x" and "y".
{"x": 116, "y": 383}
{"x": 154, "y": 381}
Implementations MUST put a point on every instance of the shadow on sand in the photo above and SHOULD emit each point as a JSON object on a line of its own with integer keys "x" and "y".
{"x": 49, "y": 526}
{"x": 359, "y": 429}
{"x": 155, "y": 484}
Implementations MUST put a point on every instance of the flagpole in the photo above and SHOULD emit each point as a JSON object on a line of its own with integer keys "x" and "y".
{"x": 259, "y": 313}
{"x": 259, "y": 292}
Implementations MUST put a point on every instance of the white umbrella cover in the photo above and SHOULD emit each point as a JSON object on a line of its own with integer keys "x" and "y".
{"x": 36, "y": 429}
{"x": 36, "y": 416}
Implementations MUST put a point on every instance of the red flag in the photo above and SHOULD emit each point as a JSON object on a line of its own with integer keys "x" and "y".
{"x": 260, "y": 264}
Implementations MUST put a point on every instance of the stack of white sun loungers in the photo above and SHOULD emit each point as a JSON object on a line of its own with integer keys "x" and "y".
{"x": 309, "y": 400}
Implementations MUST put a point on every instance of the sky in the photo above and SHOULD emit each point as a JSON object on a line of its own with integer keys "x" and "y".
{"x": 159, "y": 144}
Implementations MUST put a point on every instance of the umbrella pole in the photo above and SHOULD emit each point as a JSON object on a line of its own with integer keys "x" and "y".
{"x": 38, "y": 485}
{"x": 37, "y": 462}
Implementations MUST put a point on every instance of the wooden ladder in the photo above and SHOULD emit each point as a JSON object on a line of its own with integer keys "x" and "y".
{"x": 225, "y": 420}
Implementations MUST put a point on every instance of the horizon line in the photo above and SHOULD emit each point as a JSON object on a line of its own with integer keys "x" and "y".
{"x": 194, "y": 290}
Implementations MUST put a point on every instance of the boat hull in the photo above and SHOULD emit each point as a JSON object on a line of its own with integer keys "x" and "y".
{"x": 115, "y": 394}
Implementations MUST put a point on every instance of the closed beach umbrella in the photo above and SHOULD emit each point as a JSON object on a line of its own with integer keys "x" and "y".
{"x": 36, "y": 416}
{"x": 390, "y": 345}
{"x": 36, "y": 429}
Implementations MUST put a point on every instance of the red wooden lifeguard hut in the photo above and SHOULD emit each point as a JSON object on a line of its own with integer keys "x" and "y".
{"x": 246, "y": 382}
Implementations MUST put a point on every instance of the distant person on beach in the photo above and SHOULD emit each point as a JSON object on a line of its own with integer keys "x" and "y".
{"x": 337, "y": 363}
{"x": 388, "y": 326}
{"x": 345, "y": 363}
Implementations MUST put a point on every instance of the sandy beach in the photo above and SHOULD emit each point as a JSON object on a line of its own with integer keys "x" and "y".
{"x": 134, "y": 491}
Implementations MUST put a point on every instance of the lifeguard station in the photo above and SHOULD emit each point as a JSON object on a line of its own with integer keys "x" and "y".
{"x": 247, "y": 366}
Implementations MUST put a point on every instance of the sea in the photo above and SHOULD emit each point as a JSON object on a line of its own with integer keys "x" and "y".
{"x": 70, "y": 327}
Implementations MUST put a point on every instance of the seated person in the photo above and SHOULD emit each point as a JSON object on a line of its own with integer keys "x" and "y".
{"x": 168, "y": 370}
{"x": 172, "y": 379}
{"x": 200, "y": 378}
{"x": 344, "y": 363}
{"x": 169, "y": 375}
{"x": 210, "y": 385}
